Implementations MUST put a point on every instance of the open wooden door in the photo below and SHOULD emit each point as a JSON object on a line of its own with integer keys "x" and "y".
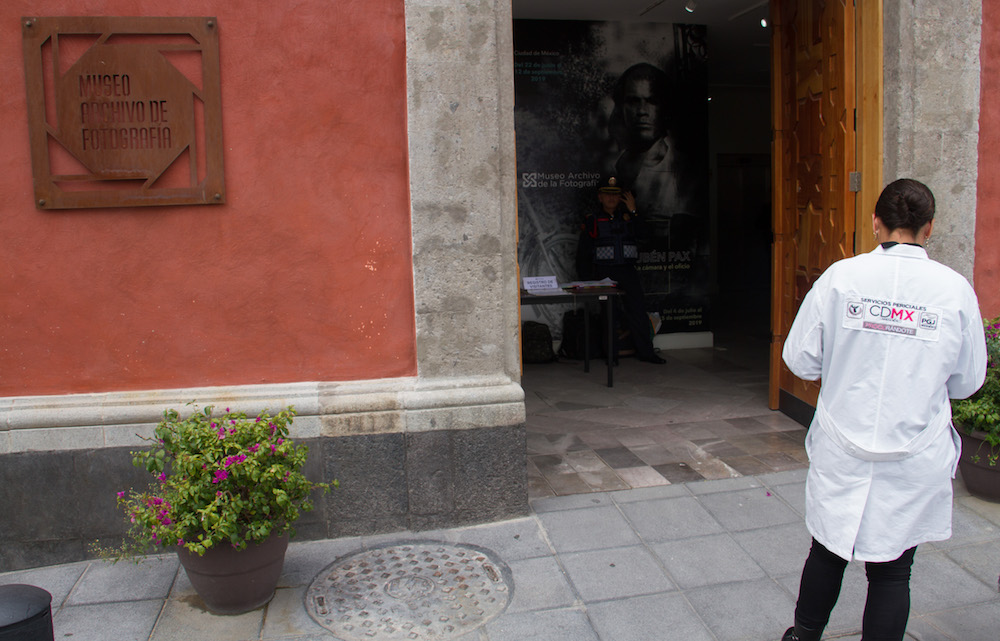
{"x": 813, "y": 154}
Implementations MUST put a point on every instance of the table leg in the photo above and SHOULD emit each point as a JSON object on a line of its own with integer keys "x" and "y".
{"x": 610, "y": 315}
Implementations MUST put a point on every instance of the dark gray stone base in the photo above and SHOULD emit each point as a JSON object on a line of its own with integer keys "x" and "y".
{"x": 53, "y": 505}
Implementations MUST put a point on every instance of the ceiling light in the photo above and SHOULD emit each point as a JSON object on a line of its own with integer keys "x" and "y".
{"x": 690, "y": 5}
{"x": 763, "y": 22}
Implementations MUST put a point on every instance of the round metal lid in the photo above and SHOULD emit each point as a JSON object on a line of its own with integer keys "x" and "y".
{"x": 410, "y": 591}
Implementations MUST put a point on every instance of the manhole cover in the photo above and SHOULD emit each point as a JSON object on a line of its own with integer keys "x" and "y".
{"x": 418, "y": 590}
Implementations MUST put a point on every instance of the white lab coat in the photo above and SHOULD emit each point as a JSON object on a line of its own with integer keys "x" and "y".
{"x": 893, "y": 335}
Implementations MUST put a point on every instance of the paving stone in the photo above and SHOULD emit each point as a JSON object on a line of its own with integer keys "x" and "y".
{"x": 57, "y": 580}
{"x": 643, "y": 618}
{"x": 187, "y": 619}
{"x": 746, "y": 610}
{"x": 511, "y": 540}
{"x": 779, "y": 550}
{"x": 539, "y": 584}
{"x": 707, "y": 560}
{"x": 679, "y": 472}
{"x": 614, "y": 573}
{"x": 589, "y": 529}
{"x": 547, "y": 625}
{"x": 574, "y": 502}
{"x": 723, "y": 485}
{"x": 938, "y": 583}
{"x": 643, "y": 476}
{"x": 131, "y": 621}
{"x": 645, "y": 494}
{"x": 968, "y": 527}
{"x": 784, "y": 478}
{"x": 670, "y": 519}
{"x": 104, "y": 582}
{"x": 921, "y": 628}
{"x": 305, "y": 559}
{"x": 286, "y": 616}
{"x": 982, "y": 560}
{"x": 794, "y": 495}
{"x": 748, "y": 509}
{"x": 972, "y": 623}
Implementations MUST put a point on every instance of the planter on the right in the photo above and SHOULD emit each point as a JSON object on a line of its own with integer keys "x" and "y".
{"x": 981, "y": 479}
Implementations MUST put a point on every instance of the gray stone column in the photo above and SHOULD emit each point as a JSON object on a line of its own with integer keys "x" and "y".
{"x": 462, "y": 173}
{"x": 931, "y": 110}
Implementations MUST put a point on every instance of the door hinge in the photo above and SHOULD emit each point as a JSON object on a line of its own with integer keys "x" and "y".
{"x": 854, "y": 181}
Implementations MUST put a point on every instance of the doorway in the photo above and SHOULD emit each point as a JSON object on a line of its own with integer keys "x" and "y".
{"x": 709, "y": 412}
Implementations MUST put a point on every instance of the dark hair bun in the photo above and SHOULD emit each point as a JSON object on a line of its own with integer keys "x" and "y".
{"x": 905, "y": 204}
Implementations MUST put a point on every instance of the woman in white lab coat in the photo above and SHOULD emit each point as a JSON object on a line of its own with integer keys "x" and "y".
{"x": 893, "y": 335}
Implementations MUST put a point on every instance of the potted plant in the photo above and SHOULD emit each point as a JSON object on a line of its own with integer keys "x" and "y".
{"x": 226, "y": 494}
{"x": 979, "y": 419}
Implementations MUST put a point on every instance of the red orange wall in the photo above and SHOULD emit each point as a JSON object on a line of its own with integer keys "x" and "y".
{"x": 987, "y": 269}
{"x": 304, "y": 274}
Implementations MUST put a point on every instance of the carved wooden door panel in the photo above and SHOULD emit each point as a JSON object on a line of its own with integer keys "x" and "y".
{"x": 813, "y": 154}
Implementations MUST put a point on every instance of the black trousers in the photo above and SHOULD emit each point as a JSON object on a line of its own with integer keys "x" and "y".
{"x": 634, "y": 304}
{"x": 888, "y": 604}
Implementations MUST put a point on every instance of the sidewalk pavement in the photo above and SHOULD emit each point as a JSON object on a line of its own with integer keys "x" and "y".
{"x": 711, "y": 560}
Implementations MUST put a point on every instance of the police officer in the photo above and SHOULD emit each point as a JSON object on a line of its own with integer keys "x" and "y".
{"x": 612, "y": 230}
{"x": 892, "y": 334}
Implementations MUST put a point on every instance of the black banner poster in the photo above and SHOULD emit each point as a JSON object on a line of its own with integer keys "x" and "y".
{"x": 574, "y": 130}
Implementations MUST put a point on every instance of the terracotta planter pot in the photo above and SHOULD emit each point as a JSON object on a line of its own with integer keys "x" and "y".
{"x": 232, "y": 581}
{"x": 981, "y": 478}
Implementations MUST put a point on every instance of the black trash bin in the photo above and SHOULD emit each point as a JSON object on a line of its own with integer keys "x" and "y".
{"x": 25, "y": 613}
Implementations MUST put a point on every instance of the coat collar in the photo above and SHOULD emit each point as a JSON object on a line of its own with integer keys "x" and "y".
{"x": 908, "y": 251}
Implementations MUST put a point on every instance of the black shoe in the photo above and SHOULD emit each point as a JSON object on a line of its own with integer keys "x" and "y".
{"x": 801, "y": 633}
{"x": 653, "y": 358}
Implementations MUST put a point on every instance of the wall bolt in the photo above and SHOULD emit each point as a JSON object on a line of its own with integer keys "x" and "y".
{"x": 41, "y": 202}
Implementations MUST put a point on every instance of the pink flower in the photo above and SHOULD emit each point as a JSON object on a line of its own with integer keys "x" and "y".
{"x": 220, "y": 475}
{"x": 121, "y": 495}
{"x": 162, "y": 476}
{"x": 233, "y": 460}
{"x": 255, "y": 447}
{"x": 180, "y": 541}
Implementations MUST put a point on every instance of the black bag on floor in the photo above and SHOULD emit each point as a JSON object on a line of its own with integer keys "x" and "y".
{"x": 574, "y": 336}
{"x": 536, "y": 343}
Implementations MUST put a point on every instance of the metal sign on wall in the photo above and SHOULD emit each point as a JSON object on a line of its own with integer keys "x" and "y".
{"x": 124, "y": 112}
